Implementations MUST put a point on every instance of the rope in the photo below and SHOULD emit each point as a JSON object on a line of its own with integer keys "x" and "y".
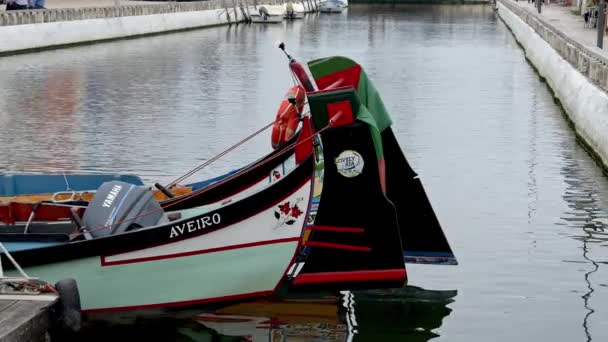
{"x": 67, "y": 184}
{"x": 10, "y": 258}
{"x": 214, "y": 185}
{"x": 218, "y": 156}
{"x": 207, "y": 163}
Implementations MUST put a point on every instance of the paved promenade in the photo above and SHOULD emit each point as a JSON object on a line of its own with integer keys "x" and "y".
{"x": 572, "y": 25}
{"x": 90, "y": 3}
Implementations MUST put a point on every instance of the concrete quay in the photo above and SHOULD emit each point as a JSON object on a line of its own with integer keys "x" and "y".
{"x": 24, "y": 321}
{"x": 31, "y": 30}
{"x": 52, "y": 4}
{"x": 564, "y": 54}
{"x": 421, "y": 2}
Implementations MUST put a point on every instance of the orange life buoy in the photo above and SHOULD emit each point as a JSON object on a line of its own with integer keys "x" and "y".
{"x": 286, "y": 121}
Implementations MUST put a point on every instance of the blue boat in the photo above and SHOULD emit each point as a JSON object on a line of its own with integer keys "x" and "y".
{"x": 31, "y": 184}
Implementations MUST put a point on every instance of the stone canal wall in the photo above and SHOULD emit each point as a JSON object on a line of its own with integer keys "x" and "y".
{"x": 421, "y": 2}
{"x": 23, "y": 31}
{"x": 577, "y": 75}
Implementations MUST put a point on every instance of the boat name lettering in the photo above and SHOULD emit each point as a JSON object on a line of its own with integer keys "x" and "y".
{"x": 194, "y": 225}
{"x": 112, "y": 196}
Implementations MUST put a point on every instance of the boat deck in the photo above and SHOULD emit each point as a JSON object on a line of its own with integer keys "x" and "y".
{"x": 22, "y": 320}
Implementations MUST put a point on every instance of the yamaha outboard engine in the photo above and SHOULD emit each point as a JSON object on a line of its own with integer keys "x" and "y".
{"x": 121, "y": 207}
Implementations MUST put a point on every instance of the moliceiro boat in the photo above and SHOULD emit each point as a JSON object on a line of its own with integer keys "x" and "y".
{"x": 135, "y": 255}
{"x": 334, "y": 206}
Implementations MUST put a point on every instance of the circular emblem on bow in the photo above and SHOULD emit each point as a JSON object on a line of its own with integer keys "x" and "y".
{"x": 349, "y": 163}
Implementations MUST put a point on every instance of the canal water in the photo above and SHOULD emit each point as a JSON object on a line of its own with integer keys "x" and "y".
{"x": 522, "y": 203}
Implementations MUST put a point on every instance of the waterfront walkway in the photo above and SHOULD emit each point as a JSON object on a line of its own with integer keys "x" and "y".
{"x": 91, "y": 3}
{"x": 570, "y": 24}
{"x": 23, "y": 320}
{"x": 94, "y": 3}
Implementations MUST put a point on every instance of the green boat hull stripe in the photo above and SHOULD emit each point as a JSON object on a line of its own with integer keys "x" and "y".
{"x": 203, "y": 276}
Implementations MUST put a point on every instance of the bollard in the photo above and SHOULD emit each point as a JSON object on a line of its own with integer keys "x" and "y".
{"x": 601, "y": 24}
{"x": 236, "y": 13}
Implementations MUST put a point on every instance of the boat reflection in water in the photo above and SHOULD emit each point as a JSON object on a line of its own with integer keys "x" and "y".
{"x": 410, "y": 313}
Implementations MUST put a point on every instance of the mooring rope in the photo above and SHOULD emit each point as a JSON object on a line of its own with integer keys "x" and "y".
{"x": 214, "y": 185}
{"x": 218, "y": 156}
{"x": 228, "y": 150}
{"x": 223, "y": 153}
{"x": 67, "y": 184}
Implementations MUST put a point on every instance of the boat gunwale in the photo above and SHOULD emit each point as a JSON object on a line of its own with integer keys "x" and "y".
{"x": 262, "y": 165}
{"x": 160, "y": 235}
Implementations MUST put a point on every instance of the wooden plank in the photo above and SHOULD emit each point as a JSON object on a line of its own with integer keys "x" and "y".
{"x": 23, "y": 320}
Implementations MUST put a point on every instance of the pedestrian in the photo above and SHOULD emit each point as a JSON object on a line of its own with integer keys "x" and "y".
{"x": 289, "y": 9}
{"x": 14, "y": 5}
{"x": 36, "y": 4}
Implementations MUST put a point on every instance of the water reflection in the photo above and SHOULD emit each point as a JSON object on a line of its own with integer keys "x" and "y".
{"x": 496, "y": 156}
{"x": 411, "y": 313}
{"x": 589, "y": 218}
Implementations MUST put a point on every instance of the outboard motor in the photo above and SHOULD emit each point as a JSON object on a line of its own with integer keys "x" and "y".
{"x": 121, "y": 207}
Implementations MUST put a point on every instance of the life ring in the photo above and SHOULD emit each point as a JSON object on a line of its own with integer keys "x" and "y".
{"x": 287, "y": 120}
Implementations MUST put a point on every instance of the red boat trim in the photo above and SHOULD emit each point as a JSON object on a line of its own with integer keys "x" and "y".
{"x": 182, "y": 303}
{"x": 350, "y": 276}
{"x": 176, "y": 200}
{"x": 337, "y": 229}
{"x": 340, "y": 113}
{"x": 244, "y": 188}
{"x": 337, "y": 246}
{"x": 167, "y": 203}
{"x": 350, "y": 76}
{"x": 336, "y": 84}
{"x": 304, "y": 146}
{"x": 105, "y": 263}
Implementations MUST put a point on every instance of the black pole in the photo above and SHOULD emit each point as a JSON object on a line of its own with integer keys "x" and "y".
{"x": 601, "y": 23}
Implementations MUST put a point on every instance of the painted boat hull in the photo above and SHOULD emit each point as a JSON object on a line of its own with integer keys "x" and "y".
{"x": 245, "y": 255}
{"x": 239, "y": 273}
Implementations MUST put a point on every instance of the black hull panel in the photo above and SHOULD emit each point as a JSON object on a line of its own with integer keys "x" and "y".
{"x": 422, "y": 237}
{"x": 354, "y": 202}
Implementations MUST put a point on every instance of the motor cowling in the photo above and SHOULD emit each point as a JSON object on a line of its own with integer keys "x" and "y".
{"x": 119, "y": 207}
{"x": 287, "y": 118}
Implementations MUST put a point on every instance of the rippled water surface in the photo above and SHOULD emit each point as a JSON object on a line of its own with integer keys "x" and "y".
{"x": 523, "y": 205}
